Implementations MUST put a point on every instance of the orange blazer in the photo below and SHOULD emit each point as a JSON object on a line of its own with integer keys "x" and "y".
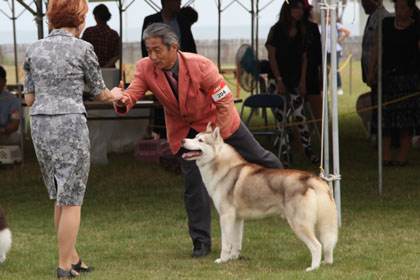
{"x": 203, "y": 97}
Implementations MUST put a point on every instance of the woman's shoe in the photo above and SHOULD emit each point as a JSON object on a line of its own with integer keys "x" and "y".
{"x": 78, "y": 267}
{"x": 388, "y": 163}
{"x": 400, "y": 163}
{"x": 284, "y": 161}
{"x": 64, "y": 274}
{"x": 313, "y": 157}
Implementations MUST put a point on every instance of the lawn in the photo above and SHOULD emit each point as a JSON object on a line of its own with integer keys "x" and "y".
{"x": 134, "y": 224}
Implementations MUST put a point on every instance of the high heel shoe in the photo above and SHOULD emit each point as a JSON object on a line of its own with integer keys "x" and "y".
{"x": 78, "y": 267}
{"x": 64, "y": 274}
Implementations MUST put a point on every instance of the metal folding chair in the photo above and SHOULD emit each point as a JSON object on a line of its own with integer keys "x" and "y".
{"x": 271, "y": 101}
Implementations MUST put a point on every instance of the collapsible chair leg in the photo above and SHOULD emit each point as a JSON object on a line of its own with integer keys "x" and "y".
{"x": 310, "y": 116}
{"x": 283, "y": 139}
{"x": 249, "y": 117}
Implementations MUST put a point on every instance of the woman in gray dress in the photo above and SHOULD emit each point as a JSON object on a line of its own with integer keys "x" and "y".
{"x": 56, "y": 70}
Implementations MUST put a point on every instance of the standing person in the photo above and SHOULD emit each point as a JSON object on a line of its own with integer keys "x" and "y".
{"x": 314, "y": 62}
{"x": 371, "y": 30}
{"x": 105, "y": 41}
{"x": 170, "y": 15}
{"x": 369, "y": 38}
{"x": 189, "y": 14}
{"x": 181, "y": 23}
{"x": 9, "y": 114}
{"x": 401, "y": 62}
{"x": 193, "y": 94}
{"x": 288, "y": 62}
{"x": 342, "y": 33}
{"x": 56, "y": 69}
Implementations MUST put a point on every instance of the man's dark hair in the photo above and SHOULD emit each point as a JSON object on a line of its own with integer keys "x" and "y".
{"x": 102, "y": 12}
{"x": 2, "y": 73}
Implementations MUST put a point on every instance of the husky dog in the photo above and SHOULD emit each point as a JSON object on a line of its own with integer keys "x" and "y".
{"x": 242, "y": 190}
{"x": 5, "y": 236}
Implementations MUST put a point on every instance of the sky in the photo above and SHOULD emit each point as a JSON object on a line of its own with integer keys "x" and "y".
{"x": 236, "y": 20}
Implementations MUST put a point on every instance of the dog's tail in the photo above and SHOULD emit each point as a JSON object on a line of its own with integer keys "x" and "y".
{"x": 327, "y": 221}
{"x": 5, "y": 243}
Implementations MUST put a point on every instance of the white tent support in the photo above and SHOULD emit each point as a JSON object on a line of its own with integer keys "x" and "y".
{"x": 325, "y": 117}
{"x": 335, "y": 146}
{"x": 335, "y": 178}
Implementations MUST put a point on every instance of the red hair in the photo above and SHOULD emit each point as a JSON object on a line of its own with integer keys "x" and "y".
{"x": 66, "y": 13}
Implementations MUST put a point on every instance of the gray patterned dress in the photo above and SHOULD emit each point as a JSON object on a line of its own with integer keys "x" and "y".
{"x": 56, "y": 70}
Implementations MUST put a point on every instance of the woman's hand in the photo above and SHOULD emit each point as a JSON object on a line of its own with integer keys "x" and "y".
{"x": 117, "y": 93}
{"x": 29, "y": 98}
{"x": 281, "y": 89}
{"x": 302, "y": 88}
{"x": 371, "y": 79}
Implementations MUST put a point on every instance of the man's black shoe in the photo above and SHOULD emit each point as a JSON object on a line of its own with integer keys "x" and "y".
{"x": 201, "y": 250}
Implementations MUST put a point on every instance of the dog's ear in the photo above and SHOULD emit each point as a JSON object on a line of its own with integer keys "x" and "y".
{"x": 209, "y": 127}
{"x": 216, "y": 134}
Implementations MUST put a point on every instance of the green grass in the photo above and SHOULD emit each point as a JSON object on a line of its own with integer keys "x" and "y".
{"x": 134, "y": 224}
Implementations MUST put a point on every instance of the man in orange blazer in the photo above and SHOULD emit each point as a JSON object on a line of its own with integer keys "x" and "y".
{"x": 192, "y": 93}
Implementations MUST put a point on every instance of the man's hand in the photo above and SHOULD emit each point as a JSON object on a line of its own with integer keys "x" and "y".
{"x": 124, "y": 101}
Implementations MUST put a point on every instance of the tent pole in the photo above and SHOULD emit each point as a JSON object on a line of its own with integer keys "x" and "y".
{"x": 120, "y": 42}
{"x": 14, "y": 41}
{"x": 39, "y": 17}
{"x": 252, "y": 38}
{"x": 325, "y": 100}
{"x": 380, "y": 7}
{"x": 336, "y": 152}
{"x": 219, "y": 9}
{"x": 258, "y": 26}
{"x": 17, "y": 77}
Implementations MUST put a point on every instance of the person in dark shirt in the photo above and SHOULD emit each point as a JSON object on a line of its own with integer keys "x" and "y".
{"x": 314, "y": 62}
{"x": 287, "y": 57}
{"x": 400, "y": 79}
{"x": 105, "y": 41}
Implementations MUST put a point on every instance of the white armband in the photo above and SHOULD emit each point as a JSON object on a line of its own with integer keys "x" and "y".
{"x": 220, "y": 91}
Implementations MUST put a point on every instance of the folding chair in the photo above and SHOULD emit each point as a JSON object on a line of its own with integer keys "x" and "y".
{"x": 272, "y": 101}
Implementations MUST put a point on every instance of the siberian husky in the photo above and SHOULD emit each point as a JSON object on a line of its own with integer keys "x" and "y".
{"x": 5, "y": 236}
{"x": 242, "y": 190}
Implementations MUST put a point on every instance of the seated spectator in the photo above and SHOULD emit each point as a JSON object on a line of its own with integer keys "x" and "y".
{"x": 105, "y": 41}
{"x": 9, "y": 114}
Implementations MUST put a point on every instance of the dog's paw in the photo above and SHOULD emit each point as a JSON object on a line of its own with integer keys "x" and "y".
{"x": 311, "y": 268}
{"x": 2, "y": 258}
{"x": 234, "y": 257}
{"x": 222, "y": 260}
{"x": 218, "y": 261}
{"x": 327, "y": 262}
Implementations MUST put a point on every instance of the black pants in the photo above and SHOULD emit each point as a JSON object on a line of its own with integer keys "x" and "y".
{"x": 196, "y": 198}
